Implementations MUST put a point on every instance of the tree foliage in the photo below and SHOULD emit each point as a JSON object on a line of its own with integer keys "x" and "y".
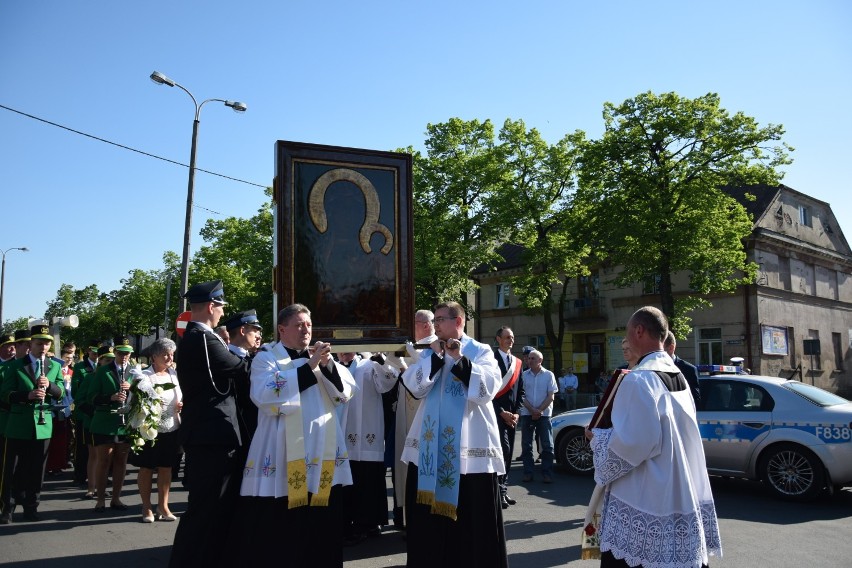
{"x": 538, "y": 192}
{"x": 239, "y": 252}
{"x": 652, "y": 184}
{"x": 457, "y": 226}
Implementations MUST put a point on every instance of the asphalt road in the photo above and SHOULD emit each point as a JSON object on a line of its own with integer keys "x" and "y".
{"x": 542, "y": 529}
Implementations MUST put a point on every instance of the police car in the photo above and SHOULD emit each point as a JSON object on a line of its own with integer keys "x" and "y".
{"x": 794, "y": 437}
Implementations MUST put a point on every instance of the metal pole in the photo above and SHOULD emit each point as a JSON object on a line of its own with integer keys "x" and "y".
{"x": 184, "y": 268}
{"x": 2, "y": 287}
{"x": 168, "y": 299}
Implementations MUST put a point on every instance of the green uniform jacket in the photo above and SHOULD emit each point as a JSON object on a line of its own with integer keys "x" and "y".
{"x": 4, "y": 407}
{"x": 101, "y": 386}
{"x": 18, "y": 380}
{"x": 83, "y": 373}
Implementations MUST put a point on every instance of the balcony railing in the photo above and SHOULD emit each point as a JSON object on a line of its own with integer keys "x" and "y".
{"x": 579, "y": 308}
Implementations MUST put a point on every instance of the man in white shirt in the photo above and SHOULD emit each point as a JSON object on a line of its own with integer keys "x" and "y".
{"x": 539, "y": 389}
{"x": 568, "y": 385}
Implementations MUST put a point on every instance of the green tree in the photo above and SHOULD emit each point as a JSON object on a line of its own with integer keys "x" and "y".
{"x": 9, "y": 326}
{"x": 457, "y": 185}
{"x": 538, "y": 192}
{"x": 652, "y": 183}
{"x": 79, "y": 302}
{"x": 239, "y": 252}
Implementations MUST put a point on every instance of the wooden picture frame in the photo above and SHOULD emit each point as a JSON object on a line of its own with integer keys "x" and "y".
{"x": 343, "y": 226}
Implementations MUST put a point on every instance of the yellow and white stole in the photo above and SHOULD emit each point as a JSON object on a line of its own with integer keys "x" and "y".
{"x": 297, "y": 461}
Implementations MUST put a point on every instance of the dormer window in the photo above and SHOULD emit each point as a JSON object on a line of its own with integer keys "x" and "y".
{"x": 805, "y": 216}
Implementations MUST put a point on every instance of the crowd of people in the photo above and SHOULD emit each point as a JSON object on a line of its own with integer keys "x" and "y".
{"x": 289, "y": 439}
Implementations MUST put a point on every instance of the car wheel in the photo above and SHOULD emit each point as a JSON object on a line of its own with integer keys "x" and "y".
{"x": 575, "y": 453}
{"x": 792, "y": 472}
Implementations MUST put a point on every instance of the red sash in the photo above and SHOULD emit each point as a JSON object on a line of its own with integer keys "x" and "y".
{"x": 513, "y": 380}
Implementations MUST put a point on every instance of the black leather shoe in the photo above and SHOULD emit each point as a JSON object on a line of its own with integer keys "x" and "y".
{"x": 31, "y": 516}
{"x": 5, "y": 519}
{"x": 509, "y": 500}
{"x": 504, "y": 503}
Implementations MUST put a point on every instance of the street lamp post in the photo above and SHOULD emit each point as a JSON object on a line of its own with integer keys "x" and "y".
{"x": 3, "y": 277}
{"x": 161, "y": 79}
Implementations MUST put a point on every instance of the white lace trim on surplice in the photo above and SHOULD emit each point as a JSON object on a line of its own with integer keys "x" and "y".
{"x": 659, "y": 541}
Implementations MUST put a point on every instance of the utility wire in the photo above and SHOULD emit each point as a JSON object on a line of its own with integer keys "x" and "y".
{"x": 129, "y": 148}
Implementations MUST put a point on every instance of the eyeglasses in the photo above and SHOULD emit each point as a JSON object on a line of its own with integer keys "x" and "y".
{"x": 440, "y": 319}
{"x": 422, "y": 321}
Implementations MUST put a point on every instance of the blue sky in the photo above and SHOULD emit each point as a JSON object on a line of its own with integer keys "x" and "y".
{"x": 368, "y": 74}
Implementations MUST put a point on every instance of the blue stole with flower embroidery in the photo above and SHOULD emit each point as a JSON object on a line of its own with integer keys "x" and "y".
{"x": 440, "y": 435}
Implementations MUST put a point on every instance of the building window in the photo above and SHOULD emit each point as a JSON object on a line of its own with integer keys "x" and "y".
{"x": 589, "y": 286}
{"x": 805, "y": 216}
{"x": 838, "y": 351}
{"x": 502, "y": 296}
{"x": 651, "y": 284}
{"x": 710, "y": 346}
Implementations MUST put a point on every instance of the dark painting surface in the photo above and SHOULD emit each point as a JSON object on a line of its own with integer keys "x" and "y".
{"x": 345, "y": 284}
{"x": 344, "y": 240}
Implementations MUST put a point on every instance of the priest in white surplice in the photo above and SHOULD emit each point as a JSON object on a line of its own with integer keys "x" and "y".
{"x": 297, "y": 460}
{"x": 365, "y": 502}
{"x": 407, "y": 405}
{"x": 658, "y": 507}
{"x": 453, "y": 452}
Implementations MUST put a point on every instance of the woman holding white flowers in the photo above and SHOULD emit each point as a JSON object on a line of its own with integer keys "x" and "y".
{"x": 159, "y": 421}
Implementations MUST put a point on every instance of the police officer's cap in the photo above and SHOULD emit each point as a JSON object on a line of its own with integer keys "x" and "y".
{"x": 22, "y": 335}
{"x": 239, "y": 319}
{"x": 7, "y": 338}
{"x": 206, "y": 292}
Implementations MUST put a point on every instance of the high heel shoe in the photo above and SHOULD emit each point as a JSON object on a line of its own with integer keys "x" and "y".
{"x": 149, "y": 518}
{"x": 167, "y": 518}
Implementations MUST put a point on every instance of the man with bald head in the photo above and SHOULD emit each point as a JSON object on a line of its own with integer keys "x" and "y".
{"x": 652, "y": 462}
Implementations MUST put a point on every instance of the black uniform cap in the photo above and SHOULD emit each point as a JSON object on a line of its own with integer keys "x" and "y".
{"x": 206, "y": 292}
{"x": 247, "y": 317}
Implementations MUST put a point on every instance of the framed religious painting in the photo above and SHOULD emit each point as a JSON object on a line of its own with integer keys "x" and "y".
{"x": 343, "y": 243}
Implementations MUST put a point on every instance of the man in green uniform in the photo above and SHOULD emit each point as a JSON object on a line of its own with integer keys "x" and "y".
{"x": 29, "y": 385}
{"x": 19, "y": 349}
{"x": 107, "y": 392}
{"x": 84, "y": 463}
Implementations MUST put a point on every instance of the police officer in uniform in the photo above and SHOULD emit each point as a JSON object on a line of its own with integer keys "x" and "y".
{"x": 29, "y": 386}
{"x": 244, "y": 331}
{"x": 210, "y": 430}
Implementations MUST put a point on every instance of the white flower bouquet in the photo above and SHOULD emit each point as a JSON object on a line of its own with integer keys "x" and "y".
{"x": 145, "y": 409}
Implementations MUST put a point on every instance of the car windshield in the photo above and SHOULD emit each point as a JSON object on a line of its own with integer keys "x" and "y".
{"x": 814, "y": 394}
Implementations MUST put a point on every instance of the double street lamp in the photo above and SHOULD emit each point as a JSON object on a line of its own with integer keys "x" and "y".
{"x": 161, "y": 79}
{"x": 3, "y": 278}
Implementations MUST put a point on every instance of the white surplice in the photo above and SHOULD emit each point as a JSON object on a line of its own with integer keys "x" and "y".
{"x": 480, "y": 439}
{"x": 275, "y": 392}
{"x": 658, "y": 509}
{"x": 365, "y": 419}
